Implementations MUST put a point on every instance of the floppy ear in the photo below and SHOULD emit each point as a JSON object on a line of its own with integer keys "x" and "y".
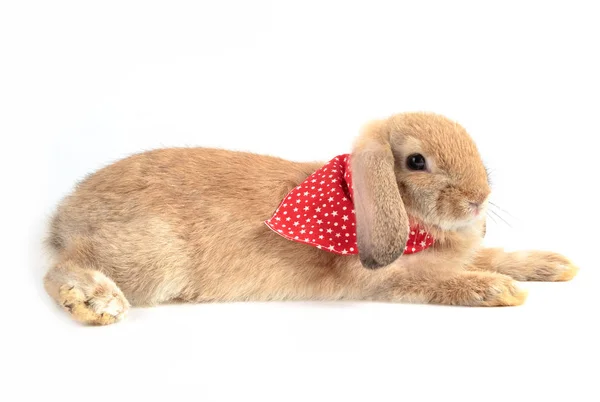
{"x": 381, "y": 221}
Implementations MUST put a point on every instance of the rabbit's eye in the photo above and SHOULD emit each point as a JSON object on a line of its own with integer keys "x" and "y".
{"x": 416, "y": 162}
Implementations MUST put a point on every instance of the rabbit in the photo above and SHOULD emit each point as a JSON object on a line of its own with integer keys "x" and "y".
{"x": 188, "y": 225}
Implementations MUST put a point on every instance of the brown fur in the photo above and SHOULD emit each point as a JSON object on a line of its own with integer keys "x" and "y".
{"x": 188, "y": 225}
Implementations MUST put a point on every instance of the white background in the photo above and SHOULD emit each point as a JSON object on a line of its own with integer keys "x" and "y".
{"x": 85, "y": 83}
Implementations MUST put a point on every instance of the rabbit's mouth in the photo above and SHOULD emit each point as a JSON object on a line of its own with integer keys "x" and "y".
{"x": 454, "y": 225}
{"x": 449, "y": 211}
{"x": 471, "y": 217}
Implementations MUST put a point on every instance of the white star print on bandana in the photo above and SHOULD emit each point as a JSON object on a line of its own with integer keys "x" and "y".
{"x": 320, "y": 212}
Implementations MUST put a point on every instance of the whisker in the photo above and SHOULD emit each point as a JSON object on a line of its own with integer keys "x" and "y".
{"x": 489, "y": 172}
{"x": 503, "y": 220}
{"x": 503, "y": 214}
{"x": 492, "y": 218}
{"x": 501, "y": 209}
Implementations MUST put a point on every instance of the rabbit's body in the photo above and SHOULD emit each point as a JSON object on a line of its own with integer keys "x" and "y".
{"x": 187, "y": 224}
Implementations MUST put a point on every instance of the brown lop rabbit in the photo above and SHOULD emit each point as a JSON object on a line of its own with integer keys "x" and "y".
{"x": 189, "y": 225}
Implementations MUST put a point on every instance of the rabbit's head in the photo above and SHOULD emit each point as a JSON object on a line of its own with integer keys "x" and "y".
{"x": 414, "y": 166}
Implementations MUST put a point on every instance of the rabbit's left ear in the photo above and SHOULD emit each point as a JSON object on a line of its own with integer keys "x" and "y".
{"x": 381, "y": 221}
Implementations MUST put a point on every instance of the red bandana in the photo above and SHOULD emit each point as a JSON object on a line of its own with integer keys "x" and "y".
{"x": 320, "y": 212}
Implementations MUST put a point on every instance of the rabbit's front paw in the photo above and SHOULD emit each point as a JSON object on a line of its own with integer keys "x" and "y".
{"x": 541, "y": 266}
{"x": 479, "y": 289}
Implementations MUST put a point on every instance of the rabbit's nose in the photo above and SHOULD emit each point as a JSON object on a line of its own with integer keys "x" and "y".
{"x": 476, "y": 207}
{"x": 477, "y": 198}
